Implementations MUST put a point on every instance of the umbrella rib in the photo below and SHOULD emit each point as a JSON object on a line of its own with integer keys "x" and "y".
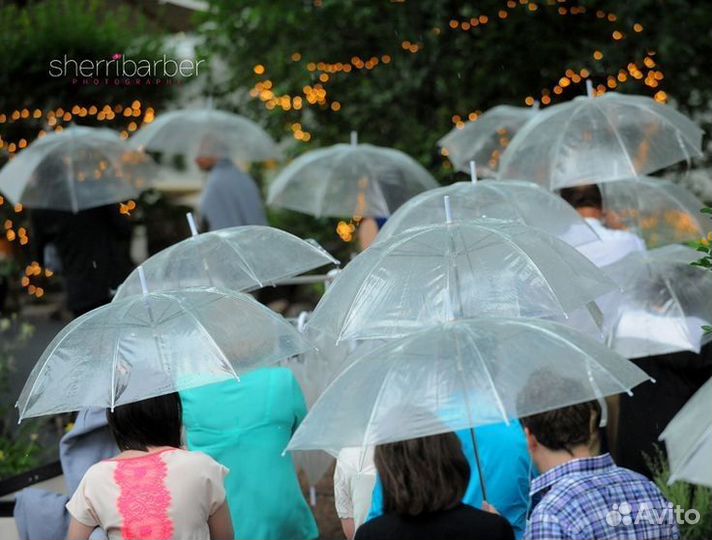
{"x": 362, "y": 286}
{"x": 32, "y": 388}
{"x": 618, "y": 137}
{"x": 677, "y": 130}
{"x": 210, "y": 338}
{"x": 679, "y": 306}
{"x": 560, "y": 141}
{"x": 247, "y": 266}
{"x": 490, "y": 380}
{"x": 523, "y": 252}
{"x": 589, "y": 357}
{"x": 114, "y": 363}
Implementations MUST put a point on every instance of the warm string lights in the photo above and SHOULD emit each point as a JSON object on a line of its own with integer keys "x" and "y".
{"x": 313, "y": 94}
{"x": 571, "y": 77}
{"x": 54, "y": 118}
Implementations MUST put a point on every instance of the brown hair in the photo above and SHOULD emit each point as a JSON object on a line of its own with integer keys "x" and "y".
{"x": 563, "y": 428}
{"x": 588, "y": 196}
{"x": 422, "y": 475}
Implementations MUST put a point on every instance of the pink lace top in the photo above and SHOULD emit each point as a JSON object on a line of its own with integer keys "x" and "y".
{"x": 164, "y": 495}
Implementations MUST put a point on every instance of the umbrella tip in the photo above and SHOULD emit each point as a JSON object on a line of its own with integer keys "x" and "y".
{"x": 589, "y": 88}
{"x": 191, "y": 224}
{"x": 448, "y": 209}
{"x": 473, "y": 171}
{"x": 142, "y": 279}
{"x": 354, "y": 138}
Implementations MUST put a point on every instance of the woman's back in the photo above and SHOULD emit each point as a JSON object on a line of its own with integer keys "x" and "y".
{"x": 245, "y": 426}
{"x": 462, "y": 522}
{"x": 169, "y": 494}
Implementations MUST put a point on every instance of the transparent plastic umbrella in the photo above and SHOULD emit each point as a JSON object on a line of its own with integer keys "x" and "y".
{"x": 349, "y": 180}
{"x": 657, "y": 210}
{"x": 180, "y": 133}
{"x": 688, "y": 440}
{"x": 598, "y": 139}
{"x": 663, "y": 305}
{"x": 154, "y": 344}
{"x": 461, "y": 374}
{"x": 485, "y": 139}
{"x": 524, "y": 202}
{"x": 239, "y": 258}
{"x": 471, "y": 269}
{"x": 77, "y": 169}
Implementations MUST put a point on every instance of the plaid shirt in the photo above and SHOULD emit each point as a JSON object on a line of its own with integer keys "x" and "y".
{"x": 592, "y": 498}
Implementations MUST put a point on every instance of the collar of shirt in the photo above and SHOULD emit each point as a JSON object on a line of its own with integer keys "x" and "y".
{"x": 596, "y": 464}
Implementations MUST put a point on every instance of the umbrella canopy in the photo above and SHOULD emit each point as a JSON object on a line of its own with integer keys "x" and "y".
{"x": 77, "y": 169}
{"x": 524, "y": 202}
{"x": 461, "y": 374}
{"x": 688, "y": 439}
{"x": 239, "y": 258}
{"x": 182, "y": 132}
{"x": 657, "y": 210}
{"x": 471, "y": 269}
{"x": 598, "y": 139}
{"x": 349, "y": 180}
{"x": 484, "y": 140}
{"x": 154, "y": 344}
{"x": 663, "y": 306}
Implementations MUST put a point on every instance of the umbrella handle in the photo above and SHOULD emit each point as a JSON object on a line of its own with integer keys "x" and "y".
{"x": 480, "y": 472}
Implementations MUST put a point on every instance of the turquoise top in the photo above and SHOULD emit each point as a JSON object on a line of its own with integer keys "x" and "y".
{"x": 245, "y": 425}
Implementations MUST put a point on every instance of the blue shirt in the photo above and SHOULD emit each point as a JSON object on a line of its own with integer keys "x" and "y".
{"x": 593, "y": 498}
{"x": 506, "y": 467}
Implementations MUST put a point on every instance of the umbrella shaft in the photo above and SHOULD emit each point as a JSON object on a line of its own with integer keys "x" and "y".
{"x": 480, "y": 472}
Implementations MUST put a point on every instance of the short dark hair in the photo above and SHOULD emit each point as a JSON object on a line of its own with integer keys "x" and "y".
{"x": 588, "y": 196}
{"x": 563, "y": 428}
{"x": 422, "y": 475}
{"x": 152, "y": 422}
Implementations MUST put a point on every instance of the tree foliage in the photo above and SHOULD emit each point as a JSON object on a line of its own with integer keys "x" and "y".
{"x": 410, "y": 102}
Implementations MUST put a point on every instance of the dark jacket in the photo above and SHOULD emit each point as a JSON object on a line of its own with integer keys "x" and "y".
{"x": 93, "y": 246}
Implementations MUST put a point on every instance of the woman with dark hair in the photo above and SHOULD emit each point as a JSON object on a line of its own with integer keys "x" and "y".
{"x": 424, "y": 481}
{"x": 153, "y": 488}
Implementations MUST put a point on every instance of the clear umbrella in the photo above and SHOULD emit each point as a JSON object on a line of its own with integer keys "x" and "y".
{"x": 239, "y": 258}
{"x": 664, "y": 303}
{"x": 524, "y": 202}
{"x": 77, "y": 169}
{"x": 349, "y": 180}
{"x": 471, "y": 269}
{"x": 153, "y": 344}
{"x": 657, "y": 210}
{"x": 458, "y": 375}
{"x": 182, "y": 132}
{"x": 688, "y": 439}
{"x": 485, "y": 139}
{"x": 598, "y": 139}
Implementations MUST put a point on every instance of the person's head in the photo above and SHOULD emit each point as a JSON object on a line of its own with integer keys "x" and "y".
{"x": 151, "y": 422}
{"x": 211, "y": 150}
{"x": 587, "y": 200}
{"x": 422, "y": 475}
{"x": 558, "y": 435}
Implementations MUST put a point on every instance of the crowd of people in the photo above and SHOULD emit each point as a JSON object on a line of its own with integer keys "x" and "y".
{"x": 210, "y": 462}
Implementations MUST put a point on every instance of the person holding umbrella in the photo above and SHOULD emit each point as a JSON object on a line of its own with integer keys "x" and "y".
{"x": 231, "y": 197}
{"x": 580, "y": 494}
{"x": 153, "y": 488}
{"x": 424, "y": 481}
